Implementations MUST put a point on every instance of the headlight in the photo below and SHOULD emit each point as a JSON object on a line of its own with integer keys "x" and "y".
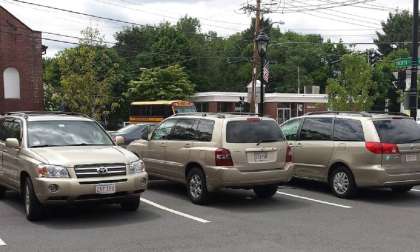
{"x": 136, "y": 167}
{"x": 52, "y": 171}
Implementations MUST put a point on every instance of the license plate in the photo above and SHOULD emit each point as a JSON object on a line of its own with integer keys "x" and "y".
{"x": 105, "y": 188}
{"x": 260, "y": 156}
{"x": 411, "y": 157}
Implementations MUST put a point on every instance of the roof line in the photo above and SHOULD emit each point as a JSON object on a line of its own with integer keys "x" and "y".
{"x": 20, "y": 21}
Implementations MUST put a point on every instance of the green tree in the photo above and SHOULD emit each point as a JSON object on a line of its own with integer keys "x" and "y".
{"x": 51, "y": 80}
{"x": 160, "y": 84}
{"x": 353, "y": 89}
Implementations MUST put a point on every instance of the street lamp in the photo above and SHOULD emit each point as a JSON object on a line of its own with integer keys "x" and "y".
{"x": 262, "y": 45}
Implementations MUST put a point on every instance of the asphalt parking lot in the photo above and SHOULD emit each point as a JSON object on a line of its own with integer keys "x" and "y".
{"x": 303, "y": 216}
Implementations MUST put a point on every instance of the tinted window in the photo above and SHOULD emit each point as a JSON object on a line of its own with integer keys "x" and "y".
{"x": 398, "y": 131}
{"x": 253, "y": 131}
{"x": 183, "y": 130}
{"x": 2, "y": 130}
{"x": 10, "y": 129}
{"x": 316, "y": 129}
{"x": 163, "y": 131}
{"x": 204, "y": 130}
{"x": 348, "y": 130}
{"x": 291, "y": 128}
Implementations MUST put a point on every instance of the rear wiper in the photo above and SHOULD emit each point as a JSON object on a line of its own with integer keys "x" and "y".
{"x": 414, "y": 140}
{"x": 266, "y": 141}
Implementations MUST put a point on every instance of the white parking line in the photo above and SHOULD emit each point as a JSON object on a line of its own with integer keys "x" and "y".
{"x": 415, "y": 190}
{"x": 314, "y": 200}
{"x": 2, "y": 243}
{"x": 174, "y": 211}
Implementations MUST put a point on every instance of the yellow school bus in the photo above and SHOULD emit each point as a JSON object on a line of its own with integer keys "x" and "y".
{"x": 156, "y": 111}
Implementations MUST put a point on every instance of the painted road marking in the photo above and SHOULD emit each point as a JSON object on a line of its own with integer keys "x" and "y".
{"x": 2, "y": 243}
{"x": 415, "y": 190}
{"x": 174, "y": 211}
{"x": 314, "y": 200}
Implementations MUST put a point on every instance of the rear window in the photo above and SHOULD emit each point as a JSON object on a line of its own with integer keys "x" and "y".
{"x": 398, "y": 131}
{"x": 253, "y": 131}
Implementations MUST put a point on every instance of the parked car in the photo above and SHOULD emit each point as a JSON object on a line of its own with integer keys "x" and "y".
{"x": 208, "y": 152}
{"x": 353, "y": 150}
{"x": 132, "y": 132}
{"x": 55, "y": 158}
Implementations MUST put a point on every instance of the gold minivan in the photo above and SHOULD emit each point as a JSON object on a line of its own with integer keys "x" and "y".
{"x": 350, "y": 150}
{"x": 208, "y": 152}
{"x": 55, "y": 158}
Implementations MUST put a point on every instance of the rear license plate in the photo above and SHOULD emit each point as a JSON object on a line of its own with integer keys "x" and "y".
{"x": 260, "y": 156}
{"x": 411, "y": 157}
{"x": 105, "y": 188}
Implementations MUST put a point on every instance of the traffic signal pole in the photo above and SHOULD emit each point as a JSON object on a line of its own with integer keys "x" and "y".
{"x": 413, "y": 100}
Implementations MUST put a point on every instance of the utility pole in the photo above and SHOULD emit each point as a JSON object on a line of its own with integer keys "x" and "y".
{"x": 255, "y": 57}
{"x": 414, "y": 51}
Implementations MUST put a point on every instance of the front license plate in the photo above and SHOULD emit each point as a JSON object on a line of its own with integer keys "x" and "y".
{"x": 260, "y": 156}
{"x": 411, "y": 157}
{"x": 105, "y": 188}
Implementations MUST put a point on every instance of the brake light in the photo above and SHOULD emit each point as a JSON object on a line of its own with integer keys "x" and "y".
{"x": 289, "y": 156}
{"x": 223, "y": 157}
{"x": 253, "y": 119}
{"x": 382, "y": 148}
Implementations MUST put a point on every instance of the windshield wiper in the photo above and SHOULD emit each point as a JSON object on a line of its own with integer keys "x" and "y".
{"x": 44, "y": 145}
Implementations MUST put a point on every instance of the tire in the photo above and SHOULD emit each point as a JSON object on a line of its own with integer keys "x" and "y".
{"x": 266, "y": 191}
{"x": 401, "y": 189}
{"x": 130, "y": 205}
{"x": 33, "y": 208}
{"x": 197, "y": 187}
{"x": 2, "y": 192}
{"x": 342, "y": 183}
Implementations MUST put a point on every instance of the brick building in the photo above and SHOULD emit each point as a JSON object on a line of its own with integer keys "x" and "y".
{"x": 20, "y": 65}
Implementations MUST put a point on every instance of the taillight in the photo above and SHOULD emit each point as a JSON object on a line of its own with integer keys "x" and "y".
{"x": 382, "y": 148}
{"x": 223, "y": 157}
{"x": 289, "y": 156}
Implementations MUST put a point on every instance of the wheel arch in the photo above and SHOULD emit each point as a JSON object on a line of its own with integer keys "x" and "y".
{"x": 337, "y": 165}
{"x": 192, "y": 165}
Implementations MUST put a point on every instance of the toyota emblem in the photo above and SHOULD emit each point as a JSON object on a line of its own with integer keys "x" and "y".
{"x": 102, "y": 170}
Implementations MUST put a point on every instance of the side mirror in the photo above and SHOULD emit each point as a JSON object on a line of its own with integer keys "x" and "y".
{"x": 119, "y": 140}
{"x": 12, "y": 143}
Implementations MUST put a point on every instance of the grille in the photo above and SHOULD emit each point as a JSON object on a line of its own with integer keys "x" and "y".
{"x": 94, "y": 171}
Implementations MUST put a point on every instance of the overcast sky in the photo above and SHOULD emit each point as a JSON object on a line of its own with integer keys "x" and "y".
{"x": 352, "y": 24}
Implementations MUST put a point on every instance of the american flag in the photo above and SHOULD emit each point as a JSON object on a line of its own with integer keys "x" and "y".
{"x": 266, "y": 72}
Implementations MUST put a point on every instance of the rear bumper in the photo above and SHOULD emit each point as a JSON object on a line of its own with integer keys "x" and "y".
{"x": 84, "y": 190}
{"x": 378, "y": 177}
{"x": 220, "y": 177}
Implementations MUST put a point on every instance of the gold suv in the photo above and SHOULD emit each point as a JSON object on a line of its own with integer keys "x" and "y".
{"x": 349, "y": 150}
{"x": 65, "y": 158}
{"x": 212, "y": 151}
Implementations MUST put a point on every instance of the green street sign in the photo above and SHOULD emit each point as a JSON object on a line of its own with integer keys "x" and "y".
{"x": 405, "y": 62}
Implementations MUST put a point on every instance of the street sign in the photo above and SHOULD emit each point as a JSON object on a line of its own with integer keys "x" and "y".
{"x": 405, "y": 62}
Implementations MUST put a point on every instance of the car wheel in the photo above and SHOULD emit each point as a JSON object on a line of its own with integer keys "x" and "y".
{"x": 342, "y": 183}
{"x": 33, "y": 208}
{"x": 266, "y": 191}
{"x": 197, "y": 186}
{"x": 130, "y": 204}
{"x": 401, "y": 189}
{"x": 2, "y": 192}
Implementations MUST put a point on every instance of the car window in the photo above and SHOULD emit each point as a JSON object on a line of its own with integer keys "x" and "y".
{"x": 398, "y": 131}
{"x": 163, "y": 131}
{"x": 316, "y": 129}
{"x": 290, "y": 129}
{"x": 183, "y": 130}
{"x": 2, "y": 130}
{"x": 253, "y": 131}
{"x": 10, "y": 129}
{"x": 204, "y": 132}
{"x": 348, "y": 130}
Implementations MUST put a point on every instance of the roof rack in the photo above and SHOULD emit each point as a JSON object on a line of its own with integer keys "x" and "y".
{"x": 217, "y": 114}
{"x": 388, "y": 113}
{"x": 28, "y": 113}
{"x": 365, "y": 114}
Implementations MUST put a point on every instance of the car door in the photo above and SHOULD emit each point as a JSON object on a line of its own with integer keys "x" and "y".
{"x": 154, "y": 154}
{"x": 178, "y": 147}
{"x": 314, "y": 147}
{"x": 13, "y": 129}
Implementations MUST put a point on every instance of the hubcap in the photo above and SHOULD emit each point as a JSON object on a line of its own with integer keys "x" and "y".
{"x": 341, "y": 182}
{"x": 196, "y": 186}
{"x": 27, "y": 199}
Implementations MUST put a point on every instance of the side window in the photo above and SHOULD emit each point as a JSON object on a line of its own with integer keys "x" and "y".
{"x": 291, "y": 128}
{"x": 316, "y": 129}
{"x": 205, "y": 130}
{"x": 2, "y": 130}
{"x": 10, "y": 129}
{"x": 348, "y": 130}
{"x": 163, "y": 131}
{"x": 183, "y": 130}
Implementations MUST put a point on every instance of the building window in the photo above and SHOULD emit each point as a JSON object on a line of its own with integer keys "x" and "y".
{"x": 11, "y": 81}
{"x": 202, "y": 106}
{"x": 223, "y": 107}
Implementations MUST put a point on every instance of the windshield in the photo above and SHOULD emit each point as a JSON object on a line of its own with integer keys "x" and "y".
{"x": 253, "y": 131}
{"x": 190, "y": 109}
{"x": 66, "y": 133}
{"x": 130, "y": 128}
{"x": 398, "y": 131}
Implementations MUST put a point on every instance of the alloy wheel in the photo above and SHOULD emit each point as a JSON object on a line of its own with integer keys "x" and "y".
{"x": 196, "y": 186}
{"x": 341, "y": 182}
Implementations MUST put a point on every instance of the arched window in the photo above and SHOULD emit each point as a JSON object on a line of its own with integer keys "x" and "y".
{"x": 11, "y": 82}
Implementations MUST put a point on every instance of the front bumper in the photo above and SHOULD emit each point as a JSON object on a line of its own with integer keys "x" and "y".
{"x": 220, "y": 177}
{"x": 80, "y": 190}
{"x": 378, "y": 177}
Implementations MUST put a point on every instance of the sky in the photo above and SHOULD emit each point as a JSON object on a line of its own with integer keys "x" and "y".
{"x": 352, "y": 24}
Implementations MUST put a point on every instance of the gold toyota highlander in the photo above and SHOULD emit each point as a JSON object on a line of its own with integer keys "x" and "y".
{"x": 55, "y": 157}
{"x": 208, "y": 152}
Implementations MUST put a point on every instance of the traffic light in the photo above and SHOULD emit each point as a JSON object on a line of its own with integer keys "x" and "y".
{"x": 401, "y": 79}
